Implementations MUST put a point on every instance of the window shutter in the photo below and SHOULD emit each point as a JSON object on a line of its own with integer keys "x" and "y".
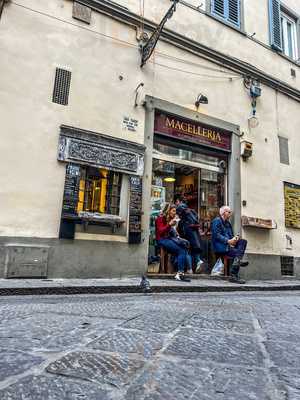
{"x": 234, "y": 11}
{"x": 218, "y": 7}
{"x": 275, "y": 24}
{"x": 284, "y": 150}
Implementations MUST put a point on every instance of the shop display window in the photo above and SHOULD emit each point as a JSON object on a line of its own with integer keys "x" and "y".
{"x": 99, "y": 191}
{"x": 160, "y": 147}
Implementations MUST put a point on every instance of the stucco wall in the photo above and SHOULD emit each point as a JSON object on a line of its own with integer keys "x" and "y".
{"x": 31, "y": 182}
{"x": 212, "y": 33}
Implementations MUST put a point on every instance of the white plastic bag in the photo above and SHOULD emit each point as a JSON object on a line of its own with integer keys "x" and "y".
{"x": 218, "y": 268}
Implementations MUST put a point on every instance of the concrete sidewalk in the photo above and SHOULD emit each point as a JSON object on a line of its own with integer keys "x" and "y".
{"x": 9, "y": 287}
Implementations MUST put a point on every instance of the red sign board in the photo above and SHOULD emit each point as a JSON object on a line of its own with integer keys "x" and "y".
{"x": 192, "y": 131}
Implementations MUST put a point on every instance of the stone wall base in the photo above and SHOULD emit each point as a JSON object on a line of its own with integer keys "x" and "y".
{"x": 70, "y": 258}
{"x": 56, "y": 258}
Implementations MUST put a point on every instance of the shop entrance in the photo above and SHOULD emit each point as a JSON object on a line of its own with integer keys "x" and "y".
{"x": 198, "y": 176}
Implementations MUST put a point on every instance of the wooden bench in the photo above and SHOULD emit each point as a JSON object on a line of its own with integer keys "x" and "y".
{"x": 166, "y": 266}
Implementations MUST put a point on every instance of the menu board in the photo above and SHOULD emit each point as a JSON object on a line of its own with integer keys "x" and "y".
{"x": 292, "y": 205}
{"x": 71, "y": 190}
{"x": 135, "y": 210}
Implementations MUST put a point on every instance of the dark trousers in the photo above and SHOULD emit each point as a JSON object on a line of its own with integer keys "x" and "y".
{"x": 237, "y": 251}
{"x": 233, "y": 252}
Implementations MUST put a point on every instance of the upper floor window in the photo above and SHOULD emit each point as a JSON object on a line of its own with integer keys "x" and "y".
{"x": 283, "y": 29}
{"x": 289, "y": 36}
{"x": 228, "y": 10}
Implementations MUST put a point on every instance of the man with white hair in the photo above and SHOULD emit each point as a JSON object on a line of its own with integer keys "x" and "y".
{"x": 224, "y": 242}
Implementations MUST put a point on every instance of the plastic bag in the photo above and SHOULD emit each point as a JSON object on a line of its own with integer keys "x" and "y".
{"x": 218, "y": 268}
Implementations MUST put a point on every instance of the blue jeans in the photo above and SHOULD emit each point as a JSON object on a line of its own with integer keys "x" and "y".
{"x": 173, "y": 248}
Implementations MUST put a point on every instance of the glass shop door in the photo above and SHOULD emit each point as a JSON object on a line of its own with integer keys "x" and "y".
{"x": 195, "y": 177}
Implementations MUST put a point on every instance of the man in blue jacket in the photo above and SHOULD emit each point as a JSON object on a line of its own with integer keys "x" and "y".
{"x": 225, "y": 243}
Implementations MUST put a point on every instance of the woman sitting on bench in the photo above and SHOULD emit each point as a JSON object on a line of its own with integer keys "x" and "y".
{"x": 167, "y": 237}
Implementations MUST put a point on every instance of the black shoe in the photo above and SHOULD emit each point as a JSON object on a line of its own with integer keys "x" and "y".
{"x": 184, "y": 279}
{"x": 244, "y": 263}
{"x": 235, "y": 279}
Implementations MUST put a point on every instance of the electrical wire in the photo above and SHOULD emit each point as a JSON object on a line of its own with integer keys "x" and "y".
{"x": 184, "y": 61}
{"x": 197, "y": 74}
{"x": 129, "y": 44}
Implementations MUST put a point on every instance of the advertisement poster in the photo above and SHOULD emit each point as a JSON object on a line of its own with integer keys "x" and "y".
{"x": 292, "y": 205}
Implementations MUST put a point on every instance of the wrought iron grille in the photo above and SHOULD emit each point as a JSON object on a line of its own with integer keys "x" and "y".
{"x": 61, "y": 86}
{"x": 287, "y": 265}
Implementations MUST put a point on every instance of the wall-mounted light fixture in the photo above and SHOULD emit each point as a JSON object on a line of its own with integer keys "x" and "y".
{"x": 201, "y": 99}
{"x": 254, "y": 89}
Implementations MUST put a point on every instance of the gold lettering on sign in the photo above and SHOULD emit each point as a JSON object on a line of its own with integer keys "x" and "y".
{"x": 170, "y": 124}
{"x": 183, "y": 126}
{"x": 178, "y": 126}
{"x": 192, "y": 129}
{"x": 218, "y": 137}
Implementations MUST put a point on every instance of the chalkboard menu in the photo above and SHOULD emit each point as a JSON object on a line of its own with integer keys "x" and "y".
{"x": 135, "y": 210}
{"x": 292, "y": 205}
{"x": 71, "y": 191}
{"x": 70, "y": 200}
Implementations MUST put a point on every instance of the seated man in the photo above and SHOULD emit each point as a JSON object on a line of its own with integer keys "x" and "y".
{"x": 225, "y": 243}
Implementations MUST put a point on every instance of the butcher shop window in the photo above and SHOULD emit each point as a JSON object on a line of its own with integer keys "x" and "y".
{"x": 99, "y": 191}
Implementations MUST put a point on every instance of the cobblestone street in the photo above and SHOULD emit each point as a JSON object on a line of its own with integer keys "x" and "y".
{"x": 150, "y": 347}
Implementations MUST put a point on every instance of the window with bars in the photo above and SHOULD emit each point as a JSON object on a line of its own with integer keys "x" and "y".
{"x": 227, "y": 10}
{"x": 61, "y": 88}
{"x": 99, "y": 191}
{"x": 287, "y": 265}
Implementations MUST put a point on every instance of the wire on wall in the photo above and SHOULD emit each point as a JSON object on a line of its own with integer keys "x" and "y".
{"x": 134, "y": 45}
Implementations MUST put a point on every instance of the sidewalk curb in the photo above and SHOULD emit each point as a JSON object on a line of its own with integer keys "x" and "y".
{"x": 71, "y": 290}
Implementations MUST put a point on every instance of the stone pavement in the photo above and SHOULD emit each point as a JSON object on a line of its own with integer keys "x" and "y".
{"x": 197, "y": 346}
{"x": 131, "y": 285}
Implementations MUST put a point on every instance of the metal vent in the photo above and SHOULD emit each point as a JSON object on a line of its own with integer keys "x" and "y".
{"x": 287, "y": 265}
{"x": 61, "y": 86}
{"x": 284, "y": 150}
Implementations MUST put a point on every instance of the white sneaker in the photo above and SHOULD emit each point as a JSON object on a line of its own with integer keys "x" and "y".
{"x": 199, "y": 265}
{"x": 178, "y": 277}
{"x": 189, "y": 271}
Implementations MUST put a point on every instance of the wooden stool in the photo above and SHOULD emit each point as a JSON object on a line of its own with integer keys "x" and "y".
{"x": 166, "y": 267}
{"x": 226, "y": 262}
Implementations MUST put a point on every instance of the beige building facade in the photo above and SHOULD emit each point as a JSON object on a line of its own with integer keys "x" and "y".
{"x": 89, "y": 138}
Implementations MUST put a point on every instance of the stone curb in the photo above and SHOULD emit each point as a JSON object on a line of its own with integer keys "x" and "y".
{"x": 71, "y": 290}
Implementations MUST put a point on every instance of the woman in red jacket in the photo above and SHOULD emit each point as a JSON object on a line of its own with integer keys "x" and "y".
{"x": 165, "y": 237}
